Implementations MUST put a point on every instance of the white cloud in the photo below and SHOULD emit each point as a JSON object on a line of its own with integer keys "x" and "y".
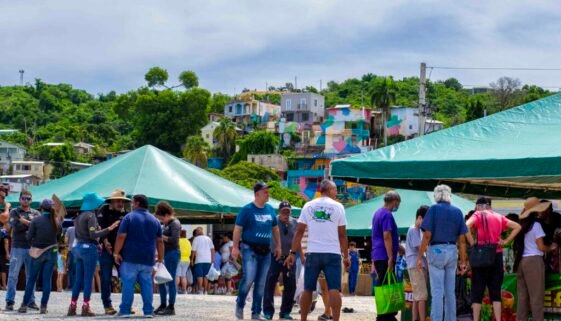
{"x": 104, "y": 45}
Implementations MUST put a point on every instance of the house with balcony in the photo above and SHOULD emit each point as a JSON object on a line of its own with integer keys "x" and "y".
{"x": 251, "y": 112}
{"x": 347, "y": 130}
{"x": 9, "y": 153}
{"x": 306, "y": 173}
{"x": 17, "y": 183}
{"x": 275, "y": 162}
{"x": 303, "y": 109}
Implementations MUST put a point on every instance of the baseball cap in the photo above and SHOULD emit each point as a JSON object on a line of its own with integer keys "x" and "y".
{"x": 284, "y": 204}
{"x": 47, "y": 204}
{"x": 259, "y": 186}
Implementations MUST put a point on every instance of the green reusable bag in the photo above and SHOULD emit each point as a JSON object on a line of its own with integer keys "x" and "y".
{"x": 389, "y": 295}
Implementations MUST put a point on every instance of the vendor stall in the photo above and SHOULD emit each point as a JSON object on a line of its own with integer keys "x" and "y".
{"x": 514, "y": 153}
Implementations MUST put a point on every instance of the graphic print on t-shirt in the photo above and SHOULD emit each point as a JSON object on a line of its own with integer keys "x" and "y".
{"x": 322, "y": 213}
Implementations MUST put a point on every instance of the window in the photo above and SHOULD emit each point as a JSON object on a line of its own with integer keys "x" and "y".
{"x": 315, "y": 102}
{"x": 302, "y": 102}
{"x": 207, "y": 136}
{"x": 305, "y": 116}
{"x": 288, "y": 104}
{"x": 36, "y": 168}
{"x": 290, "y": 117}
{"x": 230, "y": 109}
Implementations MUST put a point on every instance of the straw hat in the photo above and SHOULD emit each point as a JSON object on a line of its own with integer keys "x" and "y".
{"x": 533, "y": 204}
{"x": 117, "y": 194}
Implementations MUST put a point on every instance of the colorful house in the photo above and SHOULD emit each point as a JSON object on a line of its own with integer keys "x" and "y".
{"x": 347, "y": 130}
{"x": 305, "y": 174}
{"x": 404, "y": 121}
{"x": 251, "y": 112}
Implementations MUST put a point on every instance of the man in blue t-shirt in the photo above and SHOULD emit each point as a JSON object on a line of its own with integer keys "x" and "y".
{"x": 444, "y": 230}
{"x": 256, "y": 225}
{"x": 140, "y": 235}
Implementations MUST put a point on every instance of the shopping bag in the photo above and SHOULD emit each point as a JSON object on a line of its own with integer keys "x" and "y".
{"x": 189, "y": 276}
{"x": 229, "y": 270}
{"x": 389, "y": 295}
{"x": 213, "y": 274}
{"x": 162, "y": 275}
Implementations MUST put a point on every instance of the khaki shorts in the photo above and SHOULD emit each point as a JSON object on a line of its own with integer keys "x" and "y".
{"x": 419, "y": 284}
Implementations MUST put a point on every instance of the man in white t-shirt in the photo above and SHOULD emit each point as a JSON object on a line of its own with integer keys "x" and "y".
{"x": 202, "y": 254}
{"x": 325, "y": 220}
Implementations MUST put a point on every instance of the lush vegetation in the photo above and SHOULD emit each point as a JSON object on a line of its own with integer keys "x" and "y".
{"x": 247, "y": 174}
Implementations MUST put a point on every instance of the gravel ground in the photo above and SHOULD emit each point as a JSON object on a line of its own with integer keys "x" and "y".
{"x": 188, "y": 307}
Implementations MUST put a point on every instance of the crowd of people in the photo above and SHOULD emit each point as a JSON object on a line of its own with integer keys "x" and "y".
{"x": 307, "y": 255}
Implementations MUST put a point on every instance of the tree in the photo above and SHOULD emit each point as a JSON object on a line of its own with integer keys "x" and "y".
{"x": 475, "y": 109}
{"x": 166, "y": 118}
{"x": 196, "y": 151}
{"x": 453, "y": 83}
{"x": 156, "y": 76}
{"x": 506, "y": 91}
{"x": 383, "y": 93}
{"x": 189, "y": 79}
{"x": 217, "y": 102}
{"x": 225, "y": 135}
{"x": 258, "y": 142}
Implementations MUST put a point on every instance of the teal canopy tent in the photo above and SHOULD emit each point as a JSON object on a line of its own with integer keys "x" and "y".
{"x": 514, "y": 153}
{"x": 160, "y": 176}
{"x": 359, "y": 217}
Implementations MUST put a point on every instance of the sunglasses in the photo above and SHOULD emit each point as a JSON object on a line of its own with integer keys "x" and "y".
{"x": 26, "y": 198}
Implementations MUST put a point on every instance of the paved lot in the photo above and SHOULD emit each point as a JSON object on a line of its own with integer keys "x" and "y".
{"x": 188, "y": 307}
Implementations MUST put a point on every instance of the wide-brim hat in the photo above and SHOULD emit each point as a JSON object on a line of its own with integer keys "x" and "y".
{"x": 91, "y": 202}
{"x": 534, "y": 207}
{"x": 118, "y": 194}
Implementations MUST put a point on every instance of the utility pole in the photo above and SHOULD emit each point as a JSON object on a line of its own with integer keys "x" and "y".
{"x": 21, "y": 71}
{"x": 295, "y": 83}
{"x": 422, "y": 98}
{"x": 320, "y": 85}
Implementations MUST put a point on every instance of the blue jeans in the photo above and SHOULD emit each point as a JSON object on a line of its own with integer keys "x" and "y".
{"x": 85, "y": 257}
{"x": 106, "y": 263}
{"x": 18, "y": 257}
{"x": 171, "y": 261}
{"x": 353, "y": 278}
{"x": 45, "y": 263}
{"x": 255, "y": 268}
{"x": 443, "y": 262}
{"x": 71, "y": 269}
{"x": 130, "y": 274}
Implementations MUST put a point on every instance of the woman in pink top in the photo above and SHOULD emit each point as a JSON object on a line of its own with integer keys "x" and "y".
{"x": 488, "y": 227}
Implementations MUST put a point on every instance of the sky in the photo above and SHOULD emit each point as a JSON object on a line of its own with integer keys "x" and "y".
{"x": 109, "y": 45}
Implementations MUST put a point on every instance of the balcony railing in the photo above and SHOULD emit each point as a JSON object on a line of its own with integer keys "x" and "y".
{"x": 306, "y": 173}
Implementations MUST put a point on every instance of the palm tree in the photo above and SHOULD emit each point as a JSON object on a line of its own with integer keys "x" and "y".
{"x": 383, "y": 94}
{"x": 225, "y": 135}
{"x": 196, "y": 151}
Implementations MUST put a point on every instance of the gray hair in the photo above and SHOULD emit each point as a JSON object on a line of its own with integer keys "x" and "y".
{"x": 325, "y": 185}
{"x": 443, "y": 193}
{"x": 391, "y": 196}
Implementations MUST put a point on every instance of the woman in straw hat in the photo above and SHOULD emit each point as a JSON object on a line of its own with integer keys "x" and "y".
{"x": 529, "y": 250}
{"x": 85, "y": 251}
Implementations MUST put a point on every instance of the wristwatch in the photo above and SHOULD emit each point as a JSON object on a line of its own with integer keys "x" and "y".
{"x": 293, "y": 252}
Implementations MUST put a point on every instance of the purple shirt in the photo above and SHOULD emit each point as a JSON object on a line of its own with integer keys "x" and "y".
{"x": 383, "y": 221}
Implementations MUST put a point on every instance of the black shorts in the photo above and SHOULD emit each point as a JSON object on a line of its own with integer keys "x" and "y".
{"x": 4, "y": 264}
{"x": 490, "y": 278}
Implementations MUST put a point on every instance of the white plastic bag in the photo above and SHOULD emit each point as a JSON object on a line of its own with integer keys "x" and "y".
{"x": 229, "y": 270}
{"x": 162, "y": 275}
{"x": 189, "y": 276}
{"x": 213, "y": 274}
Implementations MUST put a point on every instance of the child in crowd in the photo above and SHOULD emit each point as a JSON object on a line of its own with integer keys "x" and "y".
{"x": 400, "y": 264}
{"x": 354, "y": 268}
{"x": 418, "y": 277}
{"x": 60, "y": 259}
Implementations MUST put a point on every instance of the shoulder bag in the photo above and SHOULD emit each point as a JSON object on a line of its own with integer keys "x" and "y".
{"x": 483, "y": 255}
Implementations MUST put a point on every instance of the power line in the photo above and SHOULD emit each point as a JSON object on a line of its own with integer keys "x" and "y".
{"x": 495, "y": 68}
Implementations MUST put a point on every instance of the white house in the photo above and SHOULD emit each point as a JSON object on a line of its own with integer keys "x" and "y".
{"x": 404, "y": 121}
{"x": 207, "y": 132}
{"x": 9, "y": 153}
